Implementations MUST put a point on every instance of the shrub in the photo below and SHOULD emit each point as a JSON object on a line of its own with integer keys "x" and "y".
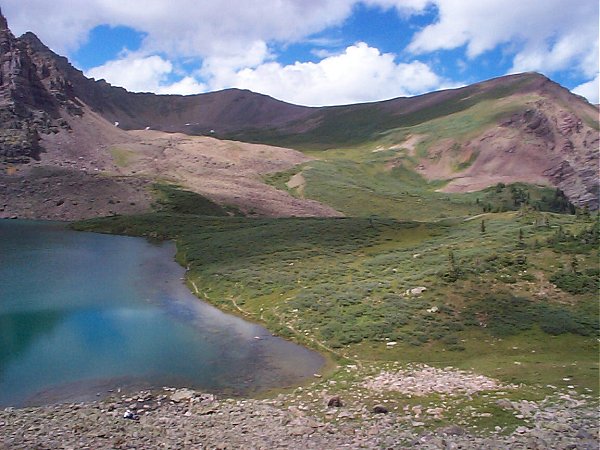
{"x": 506, "y": 315}
{"x": 584, "y": 282}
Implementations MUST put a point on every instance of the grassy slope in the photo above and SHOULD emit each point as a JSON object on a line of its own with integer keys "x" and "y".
{"x": 381, "y": 177}
{"x": 340, "y": 284}
{"x": 362, "y": 124}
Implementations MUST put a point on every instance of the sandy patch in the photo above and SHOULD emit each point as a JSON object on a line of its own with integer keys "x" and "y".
{"x": 410, "y": 144}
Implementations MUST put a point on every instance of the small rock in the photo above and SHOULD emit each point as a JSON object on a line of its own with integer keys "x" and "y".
{"x": 453, "y": 430}
{"x": 560, "y": 427}
{"x": 300, "y": 431}
{"x": 582, "y": 434}
{"x": 206, "y": 411}
{"x": 416, "y": 290}
{"x": 335, "y": 402}
{"x": 380, "y": 409}
{"x": 504, "y": 404}
{"x": 130, "y": 415}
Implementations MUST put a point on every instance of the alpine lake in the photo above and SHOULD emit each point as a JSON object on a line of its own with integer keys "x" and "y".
{"x": 83, "y": 315}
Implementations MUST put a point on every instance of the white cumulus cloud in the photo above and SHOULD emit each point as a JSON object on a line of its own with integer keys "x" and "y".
{"x": 186, "y": 86}
{"x": 361, "y": 73}
{"x": 590, "y": 90}
{"x": 145, "y": 74}
{"x": 178, "y": 27}
{"x": 543, "y": 35}
{"x": 236, "y": 41}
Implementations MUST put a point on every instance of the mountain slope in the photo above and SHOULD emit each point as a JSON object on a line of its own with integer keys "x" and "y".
{"x": 515, "y": 128}
{"x": 62, "y": 157}
{"x": 226, "y": 111}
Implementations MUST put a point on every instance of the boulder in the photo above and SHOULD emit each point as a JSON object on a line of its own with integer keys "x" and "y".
{"x": 181, "y": 395}
{"x": 415, "y": 291}
{"x": 380, "y": 409}
{"x": 335, "y": 402}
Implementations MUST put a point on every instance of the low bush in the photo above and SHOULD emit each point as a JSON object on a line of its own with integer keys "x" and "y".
{"x": 587, "y": 281}
{"x": 505, "y": 315}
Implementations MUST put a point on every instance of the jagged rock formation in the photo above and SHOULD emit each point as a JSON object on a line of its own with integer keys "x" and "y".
{"x": 31, "y": 101}
{"x": 544, "y": 141}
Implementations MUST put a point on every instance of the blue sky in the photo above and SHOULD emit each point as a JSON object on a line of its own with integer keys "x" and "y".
{"x": 318, "y": 52}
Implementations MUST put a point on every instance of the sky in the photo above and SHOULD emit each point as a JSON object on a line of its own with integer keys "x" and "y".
{"x": 318, "y": 52}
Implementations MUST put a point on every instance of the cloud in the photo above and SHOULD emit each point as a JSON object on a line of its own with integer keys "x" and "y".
{"x": 236, "y": 40}
{"x": 402, "y": 6}
{"x": 224, "y": 65}
{"x": 590, "y": 90}
{"x": 543, "y": 35}
{"x": 145, "y": 74}
{"x": 361, "y": 73}
{"x": 178, "y": 27}
{"x": 186, "y": 86}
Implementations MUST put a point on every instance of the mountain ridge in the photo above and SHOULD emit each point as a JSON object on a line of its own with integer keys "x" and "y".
{"x": 521, "y": 127}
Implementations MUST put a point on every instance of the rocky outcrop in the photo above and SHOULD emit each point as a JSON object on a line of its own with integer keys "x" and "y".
{"x": 27, "y": 107}
{"x": 547, "y": 140}
{"x": 571, "y": 147}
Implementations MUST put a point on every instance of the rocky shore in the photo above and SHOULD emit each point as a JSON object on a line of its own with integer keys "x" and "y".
{"x": 309, "y": 418}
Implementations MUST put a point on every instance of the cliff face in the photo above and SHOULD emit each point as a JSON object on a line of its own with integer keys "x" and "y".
{"x": 544, "y": 140}
{"x": 32, "y": 99}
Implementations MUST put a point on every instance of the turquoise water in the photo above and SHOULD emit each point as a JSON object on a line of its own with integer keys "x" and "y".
{"x": 82, "y": 314}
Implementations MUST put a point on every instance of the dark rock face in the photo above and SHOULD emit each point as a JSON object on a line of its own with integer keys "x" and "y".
{"x": 570, "y": 143}
{"x": 32, "y": 99}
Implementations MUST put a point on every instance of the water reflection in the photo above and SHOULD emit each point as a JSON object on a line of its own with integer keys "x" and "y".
{"x": 82, "y": 309}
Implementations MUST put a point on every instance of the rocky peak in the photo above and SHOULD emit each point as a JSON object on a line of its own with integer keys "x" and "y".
{"x": 3, "y": 21}
{"x": 6, "y": 37}
{"x": 34, "y": 42}
{"x": 32, "y": 97}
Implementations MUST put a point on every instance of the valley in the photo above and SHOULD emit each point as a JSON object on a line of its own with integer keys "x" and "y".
{"x": 448, "y": 239}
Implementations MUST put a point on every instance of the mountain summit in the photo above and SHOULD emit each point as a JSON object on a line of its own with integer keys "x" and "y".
{"x": 515, "y": 128}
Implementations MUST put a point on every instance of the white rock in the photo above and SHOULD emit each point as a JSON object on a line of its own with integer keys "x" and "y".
{"x": 182, "y": 394}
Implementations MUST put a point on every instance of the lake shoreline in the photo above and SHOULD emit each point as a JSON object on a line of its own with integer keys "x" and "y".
{"x": 329, "y": 355}
{"x": 346, "y": 409}
{"x": 265, "y": 364}
{"x": 190, "y": 419}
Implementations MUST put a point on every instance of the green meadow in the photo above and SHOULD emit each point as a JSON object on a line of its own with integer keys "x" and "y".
{"x": 503, "y": 282}
{"x": 511, "y": 294}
